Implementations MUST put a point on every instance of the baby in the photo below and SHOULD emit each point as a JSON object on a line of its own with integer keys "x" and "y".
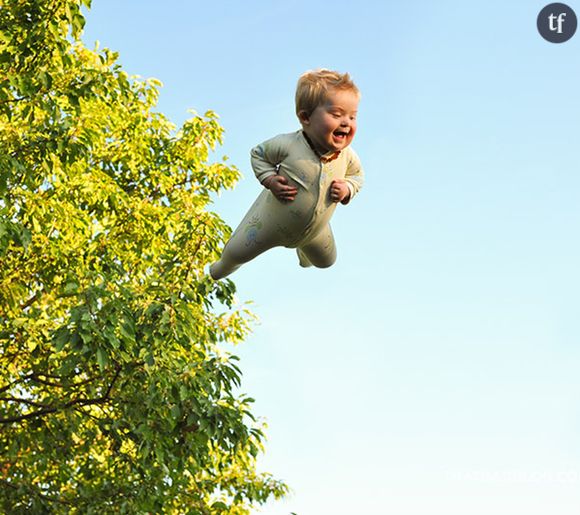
{"x": 305, "y": 175}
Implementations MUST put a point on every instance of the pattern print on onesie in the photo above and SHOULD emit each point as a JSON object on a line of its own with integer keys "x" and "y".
{"x": 251, "y": 230}
{"x": 302, "y": 176}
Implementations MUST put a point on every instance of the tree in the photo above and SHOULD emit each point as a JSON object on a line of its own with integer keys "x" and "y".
{"x": 116, "y": 394}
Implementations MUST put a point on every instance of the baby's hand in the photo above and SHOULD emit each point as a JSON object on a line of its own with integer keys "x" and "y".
{"x": 339, "y": 191}
{"x": 278, "y": 185}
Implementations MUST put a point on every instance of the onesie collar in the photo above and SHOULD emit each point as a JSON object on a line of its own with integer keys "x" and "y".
{"x": 324, "y": 158}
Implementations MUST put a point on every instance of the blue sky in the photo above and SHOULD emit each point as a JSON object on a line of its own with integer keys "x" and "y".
{"x": 434, "y": 369}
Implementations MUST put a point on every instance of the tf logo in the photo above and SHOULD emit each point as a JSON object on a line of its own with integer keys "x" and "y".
{"x": 557, "y": 23}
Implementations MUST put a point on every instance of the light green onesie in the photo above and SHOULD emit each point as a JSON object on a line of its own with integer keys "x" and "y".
{"x": 302, "y": 223}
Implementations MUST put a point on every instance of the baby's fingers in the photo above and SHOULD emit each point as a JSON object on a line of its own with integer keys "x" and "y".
{"x": 336, "y": 194}
{"x": 287, "y": 193}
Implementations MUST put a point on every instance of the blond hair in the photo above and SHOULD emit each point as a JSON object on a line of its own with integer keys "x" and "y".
{"x": 314, "y": 85}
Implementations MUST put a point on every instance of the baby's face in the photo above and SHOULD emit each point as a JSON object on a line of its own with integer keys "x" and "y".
{"x": 332, "y": 125}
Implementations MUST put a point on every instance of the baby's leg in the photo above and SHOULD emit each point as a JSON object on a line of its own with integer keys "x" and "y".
{"x": 237, "y": 252}
{"x": 256, "y": 233}
{"x": 320, "y": 251}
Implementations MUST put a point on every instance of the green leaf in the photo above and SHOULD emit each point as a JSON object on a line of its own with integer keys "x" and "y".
{"x": 176, "y": 412}
{"x": 71, "y": 287}
{"x": 61, "y": 338}
{"x": 102, "y": 359}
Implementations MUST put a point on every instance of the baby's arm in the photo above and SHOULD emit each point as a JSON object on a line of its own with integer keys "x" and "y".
{"x": 266, "y": 157}
{"x": 343, "y": 190}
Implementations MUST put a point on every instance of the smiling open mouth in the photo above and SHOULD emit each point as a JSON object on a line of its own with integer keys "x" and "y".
{"x": 340, "y": 134}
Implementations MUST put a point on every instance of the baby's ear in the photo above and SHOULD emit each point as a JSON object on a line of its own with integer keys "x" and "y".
{"x": 304, "y": 117}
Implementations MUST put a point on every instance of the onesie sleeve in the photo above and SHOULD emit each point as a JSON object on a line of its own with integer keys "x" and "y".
{"x": 354, "y": 175}
{"x": 267, "y": 156}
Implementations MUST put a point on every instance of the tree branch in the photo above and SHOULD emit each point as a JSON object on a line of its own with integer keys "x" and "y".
{"x": 36, "y": 378}
{"x": 34, "y": 492}
{"x": 31, "y": 301}
{"x": 75, "y": 402}
{"x": 25, "y": 401}
{"x": 11, "y": 100}
{"x": 10, "y": 385}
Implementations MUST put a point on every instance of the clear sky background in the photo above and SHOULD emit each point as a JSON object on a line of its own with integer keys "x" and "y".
{"x": 435, "y": 368}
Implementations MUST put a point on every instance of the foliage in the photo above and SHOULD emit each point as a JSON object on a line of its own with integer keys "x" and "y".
{"x": 116, "y": 395}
